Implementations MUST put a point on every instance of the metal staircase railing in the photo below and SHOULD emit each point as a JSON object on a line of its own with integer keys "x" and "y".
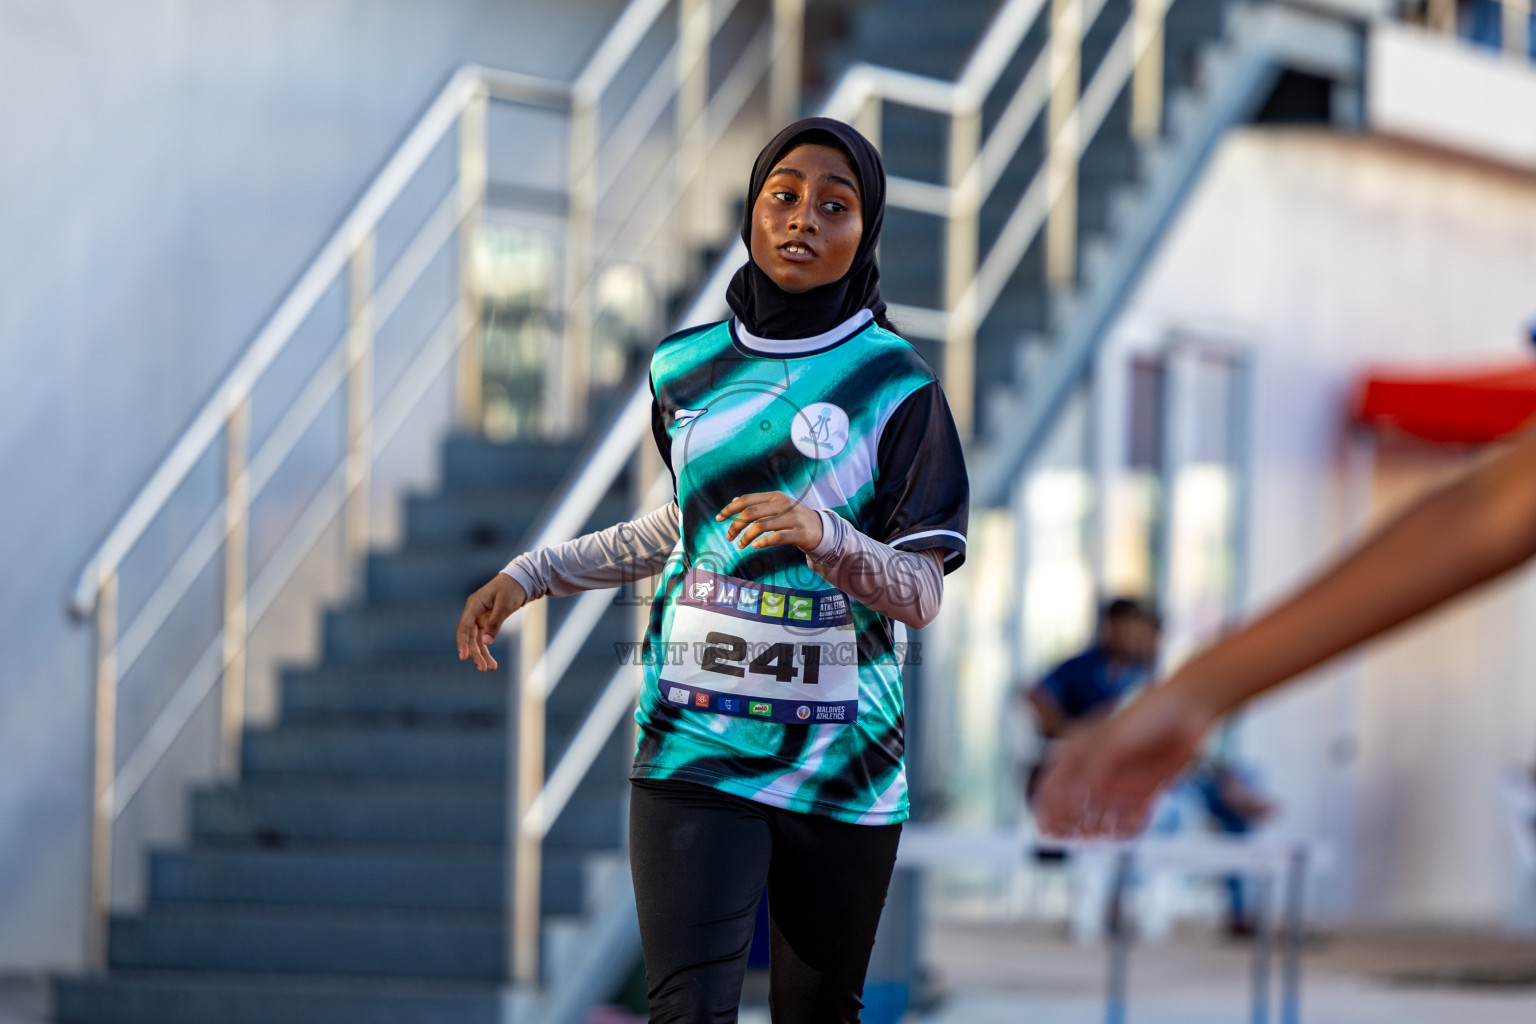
{"x": 604, "y": 223}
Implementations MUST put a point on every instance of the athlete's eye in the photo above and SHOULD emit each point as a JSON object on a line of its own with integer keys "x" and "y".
{"x": 833, "y": 206}
{"x": 784, "y": 196}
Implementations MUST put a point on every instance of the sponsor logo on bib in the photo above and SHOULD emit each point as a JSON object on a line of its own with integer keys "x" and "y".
{"x": 834, "y": 607}
{"x": 772, "y": 651}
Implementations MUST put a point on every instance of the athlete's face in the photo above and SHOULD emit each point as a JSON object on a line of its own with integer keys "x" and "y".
{"x": 808, "y": 219}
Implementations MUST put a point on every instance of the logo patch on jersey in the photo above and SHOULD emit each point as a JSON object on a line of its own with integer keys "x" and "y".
{"x": 803, "y": 712}
{"x": 773, "y": 603}
{"x": 760, "y": 708}
{"x": 683, "y": 417}
{"x": 701, "y": 699}
{"x": 748, "y": 600}
{"x": 677, "y": 695}
{"x": 820, "y": 430}
{"x": 800, "y": 608}
{"x": 701, "y": 590}
{"x": 727, "y": 594}
{"x": 731, "y": 704}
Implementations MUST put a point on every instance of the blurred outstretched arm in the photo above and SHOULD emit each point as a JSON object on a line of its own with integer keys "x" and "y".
{"x": 1484, "y": 524}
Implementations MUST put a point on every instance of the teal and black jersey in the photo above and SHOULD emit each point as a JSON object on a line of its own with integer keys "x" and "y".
{"x": 854, "y": 422}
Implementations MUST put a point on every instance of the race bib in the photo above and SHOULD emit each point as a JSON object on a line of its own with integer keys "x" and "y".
{"x": 740, "y": 648}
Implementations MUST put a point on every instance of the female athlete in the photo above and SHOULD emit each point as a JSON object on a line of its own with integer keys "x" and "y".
{"x": 821, "y": 496}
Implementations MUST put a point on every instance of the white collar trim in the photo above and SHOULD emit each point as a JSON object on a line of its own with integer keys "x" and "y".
{"x": 796, "y": 346}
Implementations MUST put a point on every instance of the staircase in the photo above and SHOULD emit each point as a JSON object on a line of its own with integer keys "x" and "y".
{"x": 356, "y": 871}
{"x": 905, "y": 35}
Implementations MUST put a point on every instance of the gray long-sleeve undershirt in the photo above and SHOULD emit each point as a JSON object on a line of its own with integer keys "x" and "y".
{"x": 906, "y": 585}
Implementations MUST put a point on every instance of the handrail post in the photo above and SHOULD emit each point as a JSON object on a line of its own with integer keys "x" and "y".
{"x": 1515, "y": 27}
{"x": 473, "y": 172}
{"x": 525, "y": 837}
{"x": 565, "y": 380}
{"x": 869, "y": 118}
{"x": 961, "y": 241}
{"x": 359, "y": 401}
{"x": 1062, "y": 142}
{"x": 784, "y": 73}
{"x": 1147, "y": 79}
{"x": 237, "y": 499}
{"x": 693, "y": 39}
{"x": 1441, "y": 15}
{"x": 103, "y": 773}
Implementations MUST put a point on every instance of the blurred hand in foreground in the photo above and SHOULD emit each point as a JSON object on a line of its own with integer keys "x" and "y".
{"x": 1472, "y": 530}
{"x": 1102, "y": 780}
{"x": 484, "y": 612}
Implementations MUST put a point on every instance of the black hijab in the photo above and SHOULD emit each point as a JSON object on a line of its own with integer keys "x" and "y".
{"x": 767, "y": 310}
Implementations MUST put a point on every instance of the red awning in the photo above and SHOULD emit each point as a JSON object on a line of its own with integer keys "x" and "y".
{"x": 1465, "y": 408}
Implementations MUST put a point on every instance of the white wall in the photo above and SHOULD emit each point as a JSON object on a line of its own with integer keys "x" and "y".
{"x": 1330, "y": 253}
{"x": 166, "y": 168}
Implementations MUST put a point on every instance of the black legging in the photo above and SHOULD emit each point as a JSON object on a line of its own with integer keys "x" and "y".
{"x": 700, "y": 858}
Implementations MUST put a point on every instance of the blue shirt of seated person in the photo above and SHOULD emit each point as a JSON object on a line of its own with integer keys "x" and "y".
{"x": 1094, "y": 682}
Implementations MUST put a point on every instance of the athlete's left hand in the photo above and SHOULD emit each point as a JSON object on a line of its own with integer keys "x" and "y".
{"x": 769, "y": 518}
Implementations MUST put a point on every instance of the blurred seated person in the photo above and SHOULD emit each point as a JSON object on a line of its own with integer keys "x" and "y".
{"x": 1236, "y": 805}
{"x": 1086, "y": 688}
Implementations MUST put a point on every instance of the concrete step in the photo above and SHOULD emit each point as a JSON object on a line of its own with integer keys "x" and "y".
{"x": 493, "y": 518}
{"x": 425, "y": 877}
{"x": 307, "y": 751}
{"x": 420, "y": 572}
{"x": 274, "y": 813}
{"x": 379, "y": 629}
{"x": 1188, "y": 26}
{"x": 312, "y": 752}
{"x": 282, "y": 813}
{"x": 496, "y": 518}
{"x": 525, "y": 465}
{"x": 422, "y": 694}
{"x": 453, "y": 696}
{"x": 160, "y": 997}
{"x": 264, "y": 939}
{"x": 1018, "y": 309}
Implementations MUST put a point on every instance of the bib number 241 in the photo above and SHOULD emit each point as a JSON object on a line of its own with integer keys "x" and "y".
{"x": 723, "y": 653}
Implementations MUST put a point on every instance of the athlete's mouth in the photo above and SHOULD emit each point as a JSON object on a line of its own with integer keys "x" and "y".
{"x": 797, "y": 252}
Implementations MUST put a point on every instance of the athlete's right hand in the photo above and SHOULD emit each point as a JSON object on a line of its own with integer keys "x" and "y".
{"x": 484, "y": 612}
